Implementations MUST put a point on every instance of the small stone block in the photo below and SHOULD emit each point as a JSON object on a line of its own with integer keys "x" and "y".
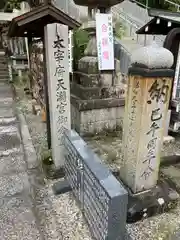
{"x": 168, "y": 139}
{"x": 170, "y": 160}
{"x": 37, "y": 109}
{"x": 61, "y": 187}
{"x": 59, "y": 173}
{"x": 150, "y": 203}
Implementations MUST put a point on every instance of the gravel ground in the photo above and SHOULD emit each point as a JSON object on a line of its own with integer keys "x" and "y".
{"x": 60, "y": 218}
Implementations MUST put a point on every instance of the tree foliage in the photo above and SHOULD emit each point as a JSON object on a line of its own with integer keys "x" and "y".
{"x": 159, "y": 4}
{"x": 9, "y": 5}
{"x": 80, "y": 41}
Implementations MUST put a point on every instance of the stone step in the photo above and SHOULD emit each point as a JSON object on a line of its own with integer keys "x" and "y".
{"x": 3, "y": 66}
{"x": 13, "y": 184}
{"x": 12, "y": 161}
{"x": 8, "y": 121}
{"x": 4, "y": 76}
{"x": 4, "y": 72}
{"x": 6, "y": 103}
{"x": 17, "y": 218}
{"x": 6, "y": 113}
{"x": 9, "y": 137}
{"x": 5, "y": 100}
{"x": 3, "y": 61}
{"x": 4, "y": 79}
{"x": 3, "y": 85}
{"x": 3, "y": 56}
{"x": 5, "y": 90}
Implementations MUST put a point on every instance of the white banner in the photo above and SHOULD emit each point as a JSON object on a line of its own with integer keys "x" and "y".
{"x": 56, "y": 44}
{"x": 105, "y": 41}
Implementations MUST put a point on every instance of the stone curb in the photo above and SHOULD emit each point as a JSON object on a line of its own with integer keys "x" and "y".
{"x": 32, "y": 164}
{"x": 30, "y": 159}
{"x": 29, "y": 150}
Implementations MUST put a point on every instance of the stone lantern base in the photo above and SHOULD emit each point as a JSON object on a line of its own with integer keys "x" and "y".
{"x": 97, "y": 105}
{"x": 96, "y": 116}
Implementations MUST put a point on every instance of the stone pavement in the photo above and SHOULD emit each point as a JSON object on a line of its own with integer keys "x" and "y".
{"x": 17, "y": 215}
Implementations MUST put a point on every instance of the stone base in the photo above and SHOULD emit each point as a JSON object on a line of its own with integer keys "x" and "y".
{"x": 170, "y": 160}
{"x": 61, "y": 187}
{"x": 96, "y": 116}
{"x": 51, "y": 172}
{"x": 152, "y": 202}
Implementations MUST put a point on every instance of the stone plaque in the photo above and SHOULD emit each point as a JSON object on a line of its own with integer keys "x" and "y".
{"x": 56, "y": 44}
{"x": 102, "y": 199}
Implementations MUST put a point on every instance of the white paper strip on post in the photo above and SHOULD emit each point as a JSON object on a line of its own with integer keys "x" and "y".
{"x": 177, "y": 76}
{"x": 105, "y": 41}
{"x": 57, "y": 60}
{"x": 70, "y": 48}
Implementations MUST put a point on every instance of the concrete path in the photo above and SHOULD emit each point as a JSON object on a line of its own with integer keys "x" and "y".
{"x": 17, "y": 215}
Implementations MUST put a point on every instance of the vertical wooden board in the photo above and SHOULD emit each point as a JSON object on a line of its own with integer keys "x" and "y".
{"x": 56, "y": 45}
{"x": 156, "y": 100}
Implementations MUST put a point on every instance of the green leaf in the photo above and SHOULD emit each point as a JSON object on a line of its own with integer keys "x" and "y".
{"x": 80, "y": 39}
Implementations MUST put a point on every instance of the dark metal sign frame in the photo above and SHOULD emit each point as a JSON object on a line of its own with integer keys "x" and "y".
{"x": 100, "y": 196}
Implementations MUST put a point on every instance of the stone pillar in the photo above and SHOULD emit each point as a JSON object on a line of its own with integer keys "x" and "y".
{"x": 57, "y": 66}
{"x": 147, "y": 101}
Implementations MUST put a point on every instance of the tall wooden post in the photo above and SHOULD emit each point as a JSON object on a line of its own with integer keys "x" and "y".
{"x": 149, "y": 89}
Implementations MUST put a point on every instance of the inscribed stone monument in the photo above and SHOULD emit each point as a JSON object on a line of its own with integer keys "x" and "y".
{"x": 56, "y": 44}
{"x": 149, "y": 89}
